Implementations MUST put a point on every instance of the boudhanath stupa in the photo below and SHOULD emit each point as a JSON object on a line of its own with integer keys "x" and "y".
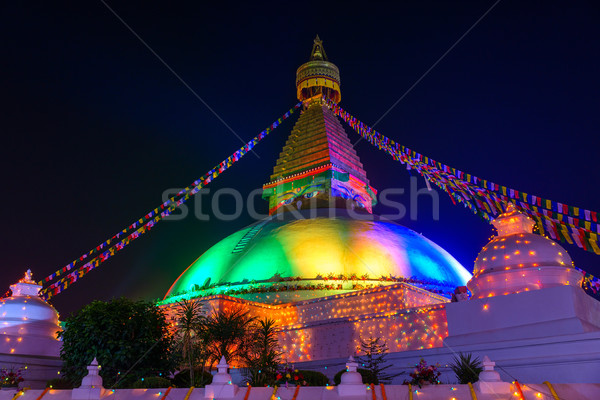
{"x": 330, "y": 272}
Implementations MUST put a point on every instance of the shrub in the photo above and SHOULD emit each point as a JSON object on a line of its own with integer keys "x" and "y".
{"x": 10, "y": 377}
{"x": 466, "y": 368}
{"x": 201, "y": 378}
{"x": 367, "y": 376}
{"x": 119, "y": 333}
{"x": 59, "y": 383}
{"x": 288, "y": 375}
{"x": 314, "y": 378}
{"x": 124, "y": 382}
{"x": 152, "y": 382}
{"x": 424, "y": 375}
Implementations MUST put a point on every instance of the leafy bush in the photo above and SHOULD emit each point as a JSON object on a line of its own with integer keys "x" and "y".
{"x": 201, "y": 378}
{"x": 152, "y": 382}
{"x": 286, "y": 374}
{"x": 424, "y": 375}
{"x": 314, "y": 378}
{"x": 10, "y": 377}
{"x": 466, "y": 368}
{"x": 59, "y": 383}
{"x": 119, "y": 333}
{"x": 367, "y": 376}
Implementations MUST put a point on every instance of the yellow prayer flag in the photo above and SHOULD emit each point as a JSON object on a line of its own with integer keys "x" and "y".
{"x": 566, "y": 234}
{"x": 594, "y": 245}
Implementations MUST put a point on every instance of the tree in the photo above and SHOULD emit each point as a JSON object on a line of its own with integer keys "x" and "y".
{"x": 228, "y": 334}
{"x": 189, "y": 333}
{"x": 262, "y": 355}
{"x": 466, "y": 368}
{"x": 122, "y": 334}
{"x": 374, "y": 358}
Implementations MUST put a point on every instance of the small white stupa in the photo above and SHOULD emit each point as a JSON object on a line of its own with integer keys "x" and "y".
{"x": 351, "y": 383}
{"x": 517, "y": 260}
{"x": 28, "y": 333}
{"x": 527, "y": 304}
{"x": 221, "y": 386}
{"x": 25, "y": 313}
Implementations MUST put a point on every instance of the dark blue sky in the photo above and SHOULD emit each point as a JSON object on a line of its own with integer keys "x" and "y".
{"x": 94, "y": 127}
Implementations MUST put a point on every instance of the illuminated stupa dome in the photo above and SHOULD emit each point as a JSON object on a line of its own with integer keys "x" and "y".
{"x": 25, "y": 313}
{"x": 274, "y": 249}
{"x": 518, "y": 260}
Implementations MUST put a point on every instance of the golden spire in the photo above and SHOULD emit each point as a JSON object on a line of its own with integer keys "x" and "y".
{"x": 318, "y": 77}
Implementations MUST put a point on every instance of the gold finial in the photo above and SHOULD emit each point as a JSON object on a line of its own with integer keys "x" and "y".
{"x": 28, "y": 278}
{"x": 318, "y": 52}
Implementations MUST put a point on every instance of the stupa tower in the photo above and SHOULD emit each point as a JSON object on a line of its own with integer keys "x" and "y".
{"x": 321, "y": 223}
{"x": 318, "y": 167}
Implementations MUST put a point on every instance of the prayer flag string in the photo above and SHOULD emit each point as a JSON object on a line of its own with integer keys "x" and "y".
{"x": 573, "y": 225}
{"x": 143, "y": 225}
{"x": 487, "y": 199}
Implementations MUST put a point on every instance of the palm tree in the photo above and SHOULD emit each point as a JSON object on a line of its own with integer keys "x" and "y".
{"x": 263, "y": 354}
{"x": 190, "y": 324}
{"x": 466, "y": 367}
{"x": 228, "y": 334}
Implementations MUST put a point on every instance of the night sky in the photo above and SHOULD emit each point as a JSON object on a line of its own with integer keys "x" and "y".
{"x": 94, "y": 127}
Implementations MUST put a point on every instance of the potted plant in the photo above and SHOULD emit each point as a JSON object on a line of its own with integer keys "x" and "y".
{"x": 10, "y": 378}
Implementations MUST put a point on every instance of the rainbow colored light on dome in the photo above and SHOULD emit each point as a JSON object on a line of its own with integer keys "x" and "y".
{"x": 322, "y": 246}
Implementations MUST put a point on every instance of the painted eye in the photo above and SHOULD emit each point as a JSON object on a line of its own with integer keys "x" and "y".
{"x": 310, "y": 195}
{"x": 287, "y": 202}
